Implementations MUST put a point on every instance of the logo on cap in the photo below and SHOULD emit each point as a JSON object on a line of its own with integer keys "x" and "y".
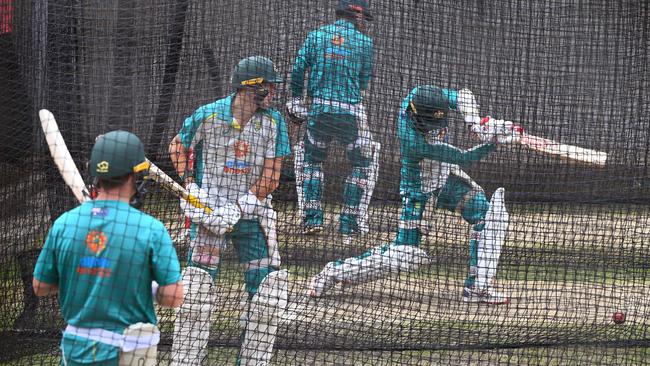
{"x": 102, "y": 167}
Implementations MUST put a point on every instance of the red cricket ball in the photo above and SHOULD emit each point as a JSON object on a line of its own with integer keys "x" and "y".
{"x": 618, "y": 317}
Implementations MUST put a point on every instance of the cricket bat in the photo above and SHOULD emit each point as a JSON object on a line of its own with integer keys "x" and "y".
{"x": 62, "y": 157}
{"x": 169, "y": 184}
{"x": 73, "y": 179}
{"x": 564, "y": 151}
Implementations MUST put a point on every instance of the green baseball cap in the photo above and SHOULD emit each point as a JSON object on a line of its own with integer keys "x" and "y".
{"x": 117, "y": 153}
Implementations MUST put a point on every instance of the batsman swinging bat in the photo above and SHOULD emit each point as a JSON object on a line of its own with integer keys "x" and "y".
{"x": 564, "y": 151}
{"x": 62, "y": 157}
{"x": 169, "y": 184}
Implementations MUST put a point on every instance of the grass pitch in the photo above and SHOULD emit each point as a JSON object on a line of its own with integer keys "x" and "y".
{"x": 566, "y": 268}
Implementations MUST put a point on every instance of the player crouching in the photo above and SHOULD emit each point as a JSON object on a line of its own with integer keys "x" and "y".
{"x": 430, "y": 170}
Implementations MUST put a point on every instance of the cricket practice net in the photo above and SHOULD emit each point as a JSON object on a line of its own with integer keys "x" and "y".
{"x": 577, "y": 247}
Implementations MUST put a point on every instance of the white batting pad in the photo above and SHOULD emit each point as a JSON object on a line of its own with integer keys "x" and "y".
{"x": 264, "y": 312}
{"x": 298, "y": 164}
{"x": 373, "y": 171}
{"x": 492, "y": 239}
{"x": 192, "y": 324}
{"x": 380, "y": 264}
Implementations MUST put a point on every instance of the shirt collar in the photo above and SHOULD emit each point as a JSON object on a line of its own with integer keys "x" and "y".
{"x": 344, "y": 23}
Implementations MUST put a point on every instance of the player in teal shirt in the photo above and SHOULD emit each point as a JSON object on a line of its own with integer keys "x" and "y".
{"x": 431, "y": 169}
{"x": 103, "y": 256}
{"x": 338, "y": 61}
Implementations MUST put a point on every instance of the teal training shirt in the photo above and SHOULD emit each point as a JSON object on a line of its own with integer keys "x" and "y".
{"x": 103, "y": 255}
{"x": 414, "y": 147}
{"x": 339, "y": 59}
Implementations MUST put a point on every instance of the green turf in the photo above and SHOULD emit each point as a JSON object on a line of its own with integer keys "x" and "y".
{"x": 532, "y": 260}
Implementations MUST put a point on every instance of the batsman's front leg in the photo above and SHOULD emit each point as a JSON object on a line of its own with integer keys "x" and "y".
{"x": 193, "y": 317}
{"x": 463, "y": 195}
{"x": 489, "y": 250}
{"x": 401, "y": 256}
{"x": 267, "y": 289}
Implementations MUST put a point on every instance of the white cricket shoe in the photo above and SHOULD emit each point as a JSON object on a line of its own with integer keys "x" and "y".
{"x": 487, "y": 296}
{"x": 322, "y": 282}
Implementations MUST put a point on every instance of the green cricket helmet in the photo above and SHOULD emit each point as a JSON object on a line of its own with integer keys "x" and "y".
{"x": 117, "y": 153}
{"x": 351, "y": 8}
{"x": 429, "y": 108}
{"x": 254, "y": 70}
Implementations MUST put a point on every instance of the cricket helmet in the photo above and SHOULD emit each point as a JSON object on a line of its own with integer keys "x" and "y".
{"x": 429, "y": 108}
{"x": 254, "y": 70}
{"x": 350, "y": 8}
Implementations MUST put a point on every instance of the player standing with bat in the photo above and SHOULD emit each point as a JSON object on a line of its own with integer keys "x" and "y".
{"x": 239, "y": 143}
{"x": 101, "y": 258}
{"x": 430, "y": 171}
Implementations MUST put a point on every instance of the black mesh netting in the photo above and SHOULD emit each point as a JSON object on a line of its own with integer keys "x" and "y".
{"x": 575, "y": 71}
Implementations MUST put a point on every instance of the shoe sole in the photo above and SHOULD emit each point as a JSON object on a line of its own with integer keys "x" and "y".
{"x": 504, "y": 302}
{"x": 471, "y": 300}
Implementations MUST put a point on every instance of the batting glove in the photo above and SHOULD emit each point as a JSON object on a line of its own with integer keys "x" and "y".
{"x": 297, "y": 109}
{"x": 222, "y": 219}
{"x": 498, "y": 131}
{"x": 249, "y": 203}
{"x": 194, "y": 213}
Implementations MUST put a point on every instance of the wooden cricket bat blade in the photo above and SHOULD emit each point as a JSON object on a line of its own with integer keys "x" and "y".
{"x": 165, "y": 181}
{"x": 62, "y": 157}
{"x": 564, "y": 151}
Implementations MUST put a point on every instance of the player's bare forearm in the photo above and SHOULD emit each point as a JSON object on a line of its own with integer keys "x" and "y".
{"x": 170, "y": 296}
{"x": 44, "y": 289}
{"x": 270, "y": 179}
{"x": 178, "y": 155}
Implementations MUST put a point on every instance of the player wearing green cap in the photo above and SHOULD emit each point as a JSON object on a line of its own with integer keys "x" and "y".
{"x": 101, "y": 258}
{"x": 239, "y": 143}
{"x": 430, "y": 170}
